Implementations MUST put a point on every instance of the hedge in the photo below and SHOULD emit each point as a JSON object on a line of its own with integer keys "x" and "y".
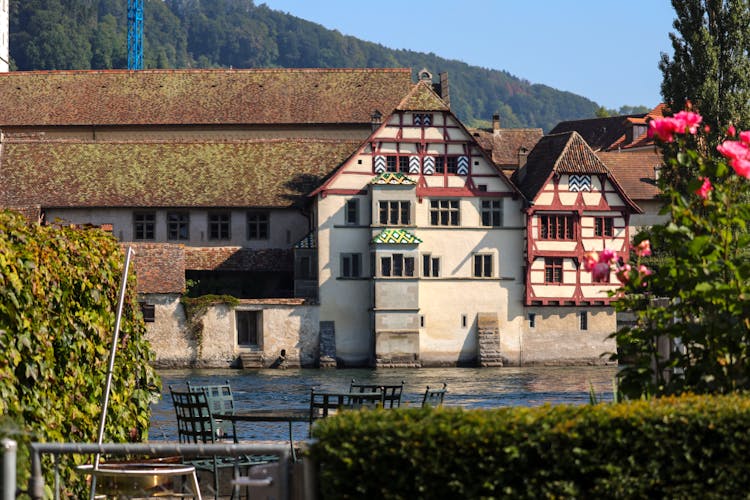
{"x": 677, "y": 447}
{"x": 58, "y": 299}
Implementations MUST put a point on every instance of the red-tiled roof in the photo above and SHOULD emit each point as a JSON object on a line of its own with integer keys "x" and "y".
{"x": 635, "y": 171}
{"x": 505, "y": 144}
{"x": 262, "y": 173}
{"x": 422, "y": 98}
{"x": 245, "y": 96}
{"x": 565, "y": 153}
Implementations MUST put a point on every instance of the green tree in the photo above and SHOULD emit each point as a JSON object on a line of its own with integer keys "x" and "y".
{"x": 692, "y": 332}
{"x": 711, "y": 63}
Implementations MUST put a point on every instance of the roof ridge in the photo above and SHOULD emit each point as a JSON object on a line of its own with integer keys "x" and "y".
{"x": 9, "y": 74}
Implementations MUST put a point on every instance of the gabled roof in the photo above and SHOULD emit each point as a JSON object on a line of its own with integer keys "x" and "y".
{"x": 565, "y": 153}
{"x": 422, "y": 97}
{"x": 261, "y": 173}
{"x": 610, "y": 133}
{"x": 635, "y": 171}
{"x": 191, "y": 97}
{"x": 504, "y": 144}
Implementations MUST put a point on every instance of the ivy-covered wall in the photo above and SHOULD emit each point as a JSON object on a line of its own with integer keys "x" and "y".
{"x": 58, "y": 302}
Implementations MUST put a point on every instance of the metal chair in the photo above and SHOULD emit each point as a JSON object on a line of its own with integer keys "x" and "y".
{"x": 324, "y": 404}
{"x": 195, "y": 424}
{"x": 221, "y": 401}
{"x": 391, "y": 394}
{"x": 434, "y": 397}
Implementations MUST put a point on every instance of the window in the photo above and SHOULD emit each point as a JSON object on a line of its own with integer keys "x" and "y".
{"x": 144, "y": 225}
{"x": 396, "y": 265}
{"x": 218, "y": 226}
{"x": 444, "y": 213}
{"x": 440, "y": 164}
{"x": 463, "y": 321}
{"x": 178, "y": 224}
{"x": 422, "y": 119}
{"x": 305, "y": 267}
{"x": 391, "y": 163}
{"x": 351, "y": 265}
{"x": 148, "y": 311}
{"x": 583, "y": 319}
{"x": 430, "y": 266}
{"x": 556, "y": 227}
{"x": 553, "y": 269}
{"x": 257, "y": 225}
{"x": 352, "y": 211}
{"x": 604, "y": 226}
{"x": 452, "y": 163}
{"x": 532, "y": 320}
{"x": 395, "y": 213}
{"x": 482, "y": 266}
{"x": 492, "y": 213}
{"x": 403, "y": 164}
{"x": 248, "y": 327}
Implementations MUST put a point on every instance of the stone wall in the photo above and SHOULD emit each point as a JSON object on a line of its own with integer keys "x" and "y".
{"x": 291, "y": 325}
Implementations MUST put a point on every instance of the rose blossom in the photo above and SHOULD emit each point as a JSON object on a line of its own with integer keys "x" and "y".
{"x": 687, "y": 120}
{"x": 705, "y": 188}
{"x": 643, "y": 249}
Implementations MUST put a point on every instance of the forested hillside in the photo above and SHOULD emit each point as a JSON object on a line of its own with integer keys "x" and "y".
{"x": 83, "y": 34}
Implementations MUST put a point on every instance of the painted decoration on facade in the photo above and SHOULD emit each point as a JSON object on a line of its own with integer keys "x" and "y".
{"x": 393, "y": 178}
{"x": 578, "y": 183}
{"x": 308, "y": 241}
{"x": 463, "y": 165}
{"x": 379, "y": 164}
{"x": 414, "y": 164}
{"x": 397, "y": 236}
{"x": 428, "y": 168}
{"x": 422, "y": 119}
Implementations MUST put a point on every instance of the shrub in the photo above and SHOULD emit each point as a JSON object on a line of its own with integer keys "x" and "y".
{"x": 58, "y": 302}
{"x": 676, "y": 447}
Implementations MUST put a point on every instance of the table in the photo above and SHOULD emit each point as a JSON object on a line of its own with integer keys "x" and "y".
{"x": 130, "y": 479}
{"x": 289, "y": 415}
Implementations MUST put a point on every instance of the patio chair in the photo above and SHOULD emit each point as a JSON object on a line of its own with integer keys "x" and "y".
{"x": 195, "y": 424}
{"x": 434, "y": 397}
{"x": 391, "y": 394}
{"x": 221, "y": 400}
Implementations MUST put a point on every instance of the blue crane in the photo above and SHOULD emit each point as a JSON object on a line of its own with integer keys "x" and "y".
{"x": 135, "y": 34}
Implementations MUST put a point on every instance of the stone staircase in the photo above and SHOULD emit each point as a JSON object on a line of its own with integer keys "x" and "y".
{"x": 251, "y": 360}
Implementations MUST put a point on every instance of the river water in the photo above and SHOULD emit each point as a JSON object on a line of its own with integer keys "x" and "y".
{"x": 467, "y": 387}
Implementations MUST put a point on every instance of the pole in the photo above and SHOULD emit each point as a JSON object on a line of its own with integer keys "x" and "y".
{"x": 110, "y": 370}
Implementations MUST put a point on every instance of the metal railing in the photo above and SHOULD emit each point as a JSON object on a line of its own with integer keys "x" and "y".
{"x": 37, "y": 450}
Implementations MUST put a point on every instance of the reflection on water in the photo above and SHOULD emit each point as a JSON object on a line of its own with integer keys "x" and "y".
{"x": 467, "y": 387}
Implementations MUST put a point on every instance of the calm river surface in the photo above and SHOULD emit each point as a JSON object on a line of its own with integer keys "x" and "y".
{"x": 467, "y": 387}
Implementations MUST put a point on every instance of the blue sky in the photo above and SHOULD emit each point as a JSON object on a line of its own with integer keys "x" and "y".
{"x": 605, "y": 50}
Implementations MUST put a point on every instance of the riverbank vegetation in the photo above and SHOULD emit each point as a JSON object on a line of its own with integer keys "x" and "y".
{"x": 58, "y": 299}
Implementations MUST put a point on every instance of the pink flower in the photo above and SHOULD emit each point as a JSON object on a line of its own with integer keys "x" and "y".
{"x": 742, "y": 167}
{"x": 623, "y": 274}
{"x": 600, "y": 272}
{"x": 745, "y": 136}
{"x": 607, "y": 255}
{"x": 687, "y": 120}
{"x": 644, "y": 271}
{"x": 662, "y": 128}
{"x": 733, "y": 149}
{"x": 643, "y": 249}
{"x": 731, "y": 131}
{"x": 589, "y": 260}
{"x": 705, "y": 188}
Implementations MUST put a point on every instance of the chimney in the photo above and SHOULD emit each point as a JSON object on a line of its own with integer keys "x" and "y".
{"x": 523, "y": 155}
{"x": 496, "y": 124}
{"x": 444, "y": 90}
{"x": 375, "y": 119}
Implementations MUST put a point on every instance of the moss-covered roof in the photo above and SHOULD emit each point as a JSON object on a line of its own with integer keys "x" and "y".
{"x": 422, "y": 98}
{"x": 264, "y": 173}
{"x": 245, "y": 96}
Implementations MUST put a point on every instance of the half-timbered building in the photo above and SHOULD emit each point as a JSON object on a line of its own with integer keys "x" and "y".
{"x": 575, "y": 206}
